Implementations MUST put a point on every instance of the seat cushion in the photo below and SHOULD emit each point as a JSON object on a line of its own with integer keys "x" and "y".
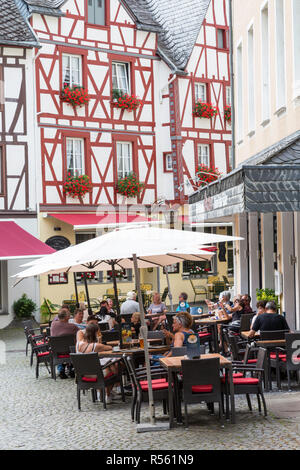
{"x": 252, "y": 361}
{"x": 204, "y": 335}
{"x": 236, "y": 375}
{"x": 245, "y": 381}
{"x": 154, "y": 381}
{"x": 63, "y": 356}
{"x": 280, "y": 356}
{"x": 202, "y": 388}
{"x": 155, "y": 386}
{"x": 46, "y": 353}
{"x": 89, "y": 379}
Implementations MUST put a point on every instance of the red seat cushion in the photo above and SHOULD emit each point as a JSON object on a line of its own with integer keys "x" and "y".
{"x": 89, "y": 379}
{"x": 202, "y": 388}
{"x": 281, "y": 356}
{"x": 245, "y": 381}
{"x": 155, "y": 386}
{"x": 252, "y": 361}
{"x": 155, "y": 381}
{"x": 63, "y": 356}
{"x": 46, "y": 353}
{"x": 204, "y": 335}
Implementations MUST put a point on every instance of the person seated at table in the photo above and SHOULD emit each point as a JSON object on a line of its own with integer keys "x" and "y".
{"x": 83, "y": 307}
{"x": 234, "y": 314}
{"x": 78, "y": 319}
{"x": 130, "y": 305}
{"x": 269, "y": 321}
{"x": 91, "y": 319}
{"x": 182, "y": 324}
{"x": 64, "y": 307}
{"x": 183, "y": 306}
{"x": 62, "y": 327}
{"x": 103, "y": 315}
{"x": 247, "y": 301}
{"x": 260, "y": 308}
{"x": 135, "y": 323}
{"x": 112, "y": 312}
{"x": 90, "y": 344}
{"x": 157, "y": 310}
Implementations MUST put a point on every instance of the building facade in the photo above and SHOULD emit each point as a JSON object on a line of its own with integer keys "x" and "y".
{"x": 262, "y": 195}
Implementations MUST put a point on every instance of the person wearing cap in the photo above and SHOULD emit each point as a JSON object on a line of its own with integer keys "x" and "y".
{"x": 130, "y": 305}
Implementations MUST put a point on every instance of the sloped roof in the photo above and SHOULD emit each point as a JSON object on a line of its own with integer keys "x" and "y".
{"x": 140, "y": 14}
{"x": 14, "y": 27}
{"x": 179, "y": 25}
{"x": 45, "y": 7}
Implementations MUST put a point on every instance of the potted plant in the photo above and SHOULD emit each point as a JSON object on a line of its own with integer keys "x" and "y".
{"x": 123, "y": 100}
{"x": 77, "y": 186}
{"x": 267, "y": 295}
{"x": 76, "y": 95}
{"x": 227, "y": 113}
{"x": 206, "y": 174}
{"x": 129, "y": 186}
{"x": 198, "y": 271}
{"x": 204, "y": 110}
{"x": 89, "y": 275}
{"x": 24, "y": 307}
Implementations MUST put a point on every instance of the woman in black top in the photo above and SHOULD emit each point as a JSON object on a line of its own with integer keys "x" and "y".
{"x": 235, "y": 316}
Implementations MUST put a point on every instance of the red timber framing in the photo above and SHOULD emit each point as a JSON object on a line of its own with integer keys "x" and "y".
{"x": 99, "y": 123}
{"x": 14, "y": 184}
{"x": 186, "y": 129}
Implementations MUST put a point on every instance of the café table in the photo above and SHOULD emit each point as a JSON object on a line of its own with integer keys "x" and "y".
{"x": 213, "y": 323}
{"x": 173, "y": 366}
{"x": 153, "y": 349}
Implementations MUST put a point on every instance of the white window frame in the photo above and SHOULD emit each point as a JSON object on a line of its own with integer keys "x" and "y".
{"x": 206, "y": 154}
{"x": 199, "y": 94}
{"x": 240, "y": 91}
{"x": 296, "y": 42}
{"x": 119, "y": 146}
{"x": 168, "y": 162}
{"x": 80, "y": 170}
{"x": 126, "y": 65}
{"x": 230, "y": 157}
{"x": 265, "y": 62}
{"x": 72, "y": 82}
{"x": 280, "y": 54}
{"x": 251, "y": 80}
{"x": 228, "y": 96}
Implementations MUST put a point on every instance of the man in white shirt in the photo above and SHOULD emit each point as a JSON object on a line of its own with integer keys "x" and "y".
{"x": 130, "y": 306}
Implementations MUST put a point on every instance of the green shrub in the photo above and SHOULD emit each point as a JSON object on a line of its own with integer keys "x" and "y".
{"x": 267, "y": 295}
{"x": 24, "y": 307}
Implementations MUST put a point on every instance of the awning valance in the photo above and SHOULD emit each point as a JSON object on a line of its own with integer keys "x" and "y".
{"x": 16, "y": 243}
{"x": 93, "y": 221}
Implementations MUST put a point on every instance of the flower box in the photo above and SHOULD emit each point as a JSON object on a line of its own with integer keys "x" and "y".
{"x": 77, "y": 186}
{"x": 125, "y": 101}
{"x": 76, "y": 96}
{"x": 206, "y": 175}
{"x": 204, "y": 110}
{"x": 129, "y": 186}
{"x": 227, "y": 113}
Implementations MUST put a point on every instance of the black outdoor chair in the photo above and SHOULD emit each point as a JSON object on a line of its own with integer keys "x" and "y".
{"x": 169, "y": 321}
{"x": 112, "y": 335}
{"x": 164, "y": 294}
{"x": 140, "y": 388}
{"x": 236, "y": 346}
{"x": 287, "y": 359}
{"x": 246, "y": 320}
{"x": 30, "y": 330}
{"x": 272, "y": 335}
{"x": 89, "y": 376}
{"x": 42, "y": 354}
{"x": 179, "y": 352}
{"x": 60, "y": 351}
{"x": 201, "y": 383}
{"x": 156, "y": 335}
{"x": 250, "y": 385}
{"x": 103, "y": 326}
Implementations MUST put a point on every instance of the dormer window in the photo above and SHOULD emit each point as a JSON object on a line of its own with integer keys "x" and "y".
{"x": 96, "y": 12}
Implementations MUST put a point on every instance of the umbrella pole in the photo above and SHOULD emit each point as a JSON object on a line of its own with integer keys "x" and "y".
{"x": 119, "y": 320}
{"x": 169, "y": 290}
{"x": 144, "y": 331}
{"x": 76, "y": 290}
{"x": 87, "y": 294}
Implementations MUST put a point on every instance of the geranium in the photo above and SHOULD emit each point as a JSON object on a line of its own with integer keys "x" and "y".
{"x": 88, "y": 275}
{"x": 206, "y": 175}
{"x": 75, "y": 96}
{"x": 227, "y": 113}
{"x": 124, "y": 101}
{"x": 129, "y": 186}
{"x": 204, "y": 110}
{"x": 198, "y": 270}
{"x": 77, "y": 186}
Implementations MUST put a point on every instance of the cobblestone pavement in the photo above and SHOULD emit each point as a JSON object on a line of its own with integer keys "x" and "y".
{"x": 42, "y": 414}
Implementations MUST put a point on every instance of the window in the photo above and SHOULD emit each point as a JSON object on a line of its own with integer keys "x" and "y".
{"x": 296, "y": 33}
{"x": 222, "y": 38}
{"x": 203, "y": 155}
{"x": 75, "y": 156}
{"x": 72, "y": 69}
{"x": 228, "y": 95}
{"x": 1, "y": 170}
{"x": 91, "y": 276}
{"x": 201, "y": 92}
{"x": 280, "y": 55}
{"x": 239, "y": 67}
{"x": 251, "y": 87}
{"x": 96, "y": 12}
{"x": 124, "y": 159}
{"x": 265, "y": 64}
{"x": 120, "y": 77}
{"x": 168, "y": 163}
{"x": 230, "y": 257}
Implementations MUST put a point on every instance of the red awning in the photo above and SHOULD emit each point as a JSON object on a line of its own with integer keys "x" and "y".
{"x": 93, "y": 221}
{"x": 17, "y": 243}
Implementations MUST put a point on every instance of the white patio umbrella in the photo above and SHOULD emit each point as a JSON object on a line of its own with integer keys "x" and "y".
{"x": 141, "y": 245}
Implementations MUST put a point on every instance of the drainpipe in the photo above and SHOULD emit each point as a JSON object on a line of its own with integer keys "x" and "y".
{"x": 232, "y": 83}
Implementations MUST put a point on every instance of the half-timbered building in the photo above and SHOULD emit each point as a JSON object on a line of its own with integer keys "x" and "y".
{"x": 168, "y": 54}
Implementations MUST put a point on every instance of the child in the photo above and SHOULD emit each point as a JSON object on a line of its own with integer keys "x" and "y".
{"x": 183, "y": 305}
{"x": 136, "y": 323}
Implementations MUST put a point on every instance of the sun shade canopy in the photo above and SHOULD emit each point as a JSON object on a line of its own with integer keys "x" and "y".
{"x": 16, "y": 243}
{"x": 85, "y": 221}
